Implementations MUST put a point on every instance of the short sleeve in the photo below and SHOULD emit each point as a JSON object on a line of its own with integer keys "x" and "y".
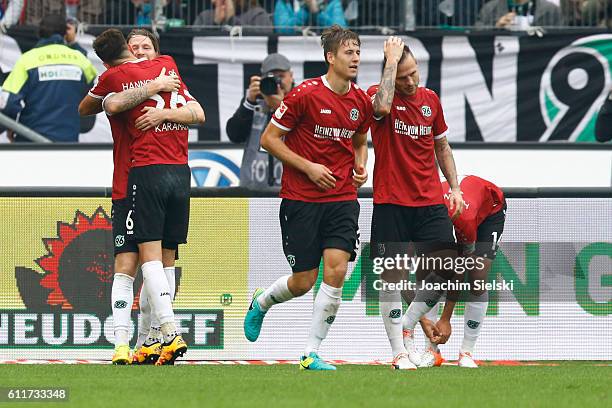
{"x": 368, "y": 115}
{"x": 101, "y": 87}
{"x": 372, "y": 94}
{"x": 440, "y": 129}
{"x": 289, "y": 113}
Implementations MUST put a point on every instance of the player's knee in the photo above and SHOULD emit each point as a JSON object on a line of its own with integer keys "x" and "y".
{"x": 334, "y": 274}
{"x": 300, "y": 283}
{"x": 126, "y": 263}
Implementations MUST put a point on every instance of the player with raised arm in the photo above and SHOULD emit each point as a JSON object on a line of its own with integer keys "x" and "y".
{"x": 159, "y": 214}
{"x": 409, "y": 134}
{"x": 319, "y": 132}
{"x": 478, "y": 230}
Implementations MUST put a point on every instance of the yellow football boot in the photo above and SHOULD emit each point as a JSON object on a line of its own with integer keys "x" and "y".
{"x": 171, "y": 351}
{"x": 123, "y": 355}
{"x": 147, "y": 354}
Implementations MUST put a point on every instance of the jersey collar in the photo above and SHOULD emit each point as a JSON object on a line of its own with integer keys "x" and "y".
{"x": 326, "y": 83}
{"x": 135, "y": 61}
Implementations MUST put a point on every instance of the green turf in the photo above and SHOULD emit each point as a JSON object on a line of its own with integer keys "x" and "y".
{"x": 571, "y": 384}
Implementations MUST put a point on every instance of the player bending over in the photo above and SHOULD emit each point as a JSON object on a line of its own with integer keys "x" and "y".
{"x": 478, "y": 231}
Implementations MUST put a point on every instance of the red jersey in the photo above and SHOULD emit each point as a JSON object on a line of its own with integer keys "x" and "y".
{"x": 405, "y": 171}
{"x": 121, "y": 144}
{"x": 321, "y": 125}
{"x": 482, "y": 199}
{"x": 167, "y": 142}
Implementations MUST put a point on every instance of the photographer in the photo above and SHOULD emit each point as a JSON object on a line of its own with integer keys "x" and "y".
{"x": 264, "y": 95}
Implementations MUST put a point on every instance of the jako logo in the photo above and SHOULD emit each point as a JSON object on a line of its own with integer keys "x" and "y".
{"x": 209, "y": 169}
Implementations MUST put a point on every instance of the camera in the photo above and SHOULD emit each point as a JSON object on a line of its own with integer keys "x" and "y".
{"x": 269, "y": 84}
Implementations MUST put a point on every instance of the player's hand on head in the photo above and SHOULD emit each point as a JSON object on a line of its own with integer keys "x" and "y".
{"x": 456, "y": 204}
{"x": 254, "y": 91}
{"x": 321, "y": 176}
{"x": 393, "y": 48}
{"x": 444, "y": 329}
{"x": 151, "y": 118}
{"x": 360, "y": 176}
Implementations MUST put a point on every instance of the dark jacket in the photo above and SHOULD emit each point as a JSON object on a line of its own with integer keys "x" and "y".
{"x": 255, "y": 17}
{"x": 546, "y": 13}
{"x": 246, "y": 126}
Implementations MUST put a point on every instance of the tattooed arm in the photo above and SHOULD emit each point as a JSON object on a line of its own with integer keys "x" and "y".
{"x": 130, "y": 98}
{"x": 393, "y": 49}
{"x": 190, "y": 114}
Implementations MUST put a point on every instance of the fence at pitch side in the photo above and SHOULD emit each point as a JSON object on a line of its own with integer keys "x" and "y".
{"x": 56, "y": 276}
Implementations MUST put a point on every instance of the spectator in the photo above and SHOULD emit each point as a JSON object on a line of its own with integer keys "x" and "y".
{"x": 596, "y": 13}
{"x": 36, "y": 9}
{"x": 72, "y": 6}
{"x": 447, "y": 13}
{"x": 47, "y": 83}
{"x": 11, "y": 14}
{"x": 603, "y": 125}
{"x": 289, "y": 15}
{"x": 236, "y": 12}
{"x": 252, "y": 117}
{"x": 91, "y": 11}
{"x": 519, "y": 14}
{"x": 72, "y": 25}
{"x": 120, "y": 12}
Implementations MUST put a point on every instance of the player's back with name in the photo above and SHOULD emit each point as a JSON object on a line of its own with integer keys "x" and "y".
{"x": 166, "y": 143}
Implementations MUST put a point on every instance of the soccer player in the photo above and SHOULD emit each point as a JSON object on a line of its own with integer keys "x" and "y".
{"x": 319, "y": 133}
{"x": 478, "y": 229}
{"x": 143, "y": 44}
{"x": 409, "y": 134}
{"x": 125, "y": 251}
{"x": 159, "y": 156}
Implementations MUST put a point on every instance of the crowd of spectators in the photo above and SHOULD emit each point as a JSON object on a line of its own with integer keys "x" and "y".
{"x": 289, "y": 16}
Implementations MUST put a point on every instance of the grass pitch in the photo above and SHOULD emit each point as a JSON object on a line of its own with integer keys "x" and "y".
{"x": 570, "y": 384}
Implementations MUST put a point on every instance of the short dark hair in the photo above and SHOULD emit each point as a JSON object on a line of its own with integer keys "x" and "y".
{"x": 52, "y": 24}
{"x": 333, "y": 37}
{"x": 407, "y": 52}
{"x": 146, "y": 33}
{"x": 110, "y": 45}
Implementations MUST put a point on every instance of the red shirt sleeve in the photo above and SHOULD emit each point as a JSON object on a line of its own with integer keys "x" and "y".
{"x": 367, "y": 118}
{"x": 102, "y": 86}
{"x": 372, "y": 91}
{"x": 440, "y": 129}
{"x": 289, "y": 113}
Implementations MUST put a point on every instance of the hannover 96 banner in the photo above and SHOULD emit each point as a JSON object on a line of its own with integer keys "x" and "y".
{"x": 494, "y": 86}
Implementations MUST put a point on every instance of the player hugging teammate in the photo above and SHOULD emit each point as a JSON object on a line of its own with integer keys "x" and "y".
{"x": 151, "y": 203}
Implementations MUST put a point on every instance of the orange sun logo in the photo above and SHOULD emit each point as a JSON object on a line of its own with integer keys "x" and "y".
{"x": 100, "y": 264}
{"x": 78, "y": 268}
